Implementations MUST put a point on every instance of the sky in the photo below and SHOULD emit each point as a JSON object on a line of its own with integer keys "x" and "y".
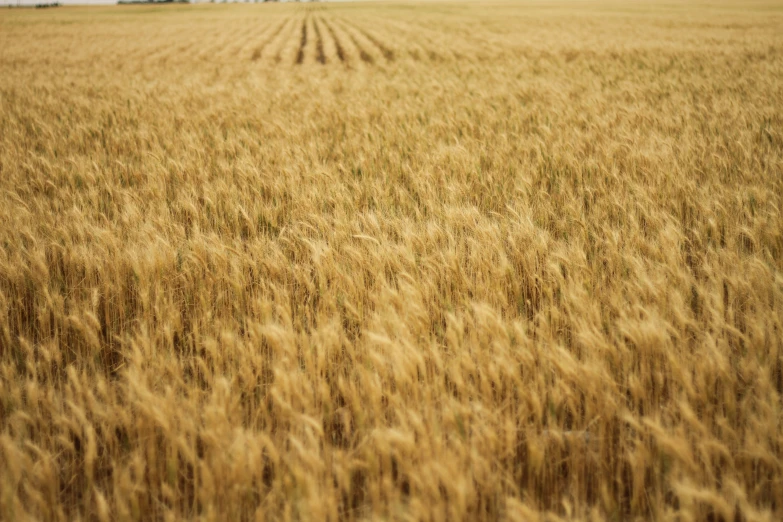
{"x": 68, "y": 2}
{"x": 64, "y": 2}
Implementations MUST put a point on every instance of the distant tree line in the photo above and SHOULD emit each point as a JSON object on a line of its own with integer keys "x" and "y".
{"x": 37, "y": 6}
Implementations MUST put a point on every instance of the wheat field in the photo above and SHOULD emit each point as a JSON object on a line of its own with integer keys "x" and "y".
{"x": 392, "y": 261}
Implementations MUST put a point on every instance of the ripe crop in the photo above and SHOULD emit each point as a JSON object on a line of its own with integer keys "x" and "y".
{"x": 394, "y": 261}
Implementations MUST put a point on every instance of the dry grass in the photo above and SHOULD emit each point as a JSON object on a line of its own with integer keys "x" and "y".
{"x": 392, "y": 261}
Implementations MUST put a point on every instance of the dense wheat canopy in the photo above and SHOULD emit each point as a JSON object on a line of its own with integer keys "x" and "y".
{"x": 441, "y": 262}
